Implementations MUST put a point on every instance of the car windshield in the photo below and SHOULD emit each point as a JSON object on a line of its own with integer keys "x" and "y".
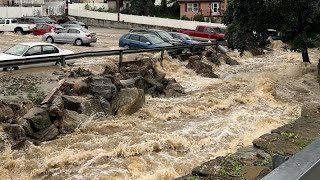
{"x": 165, "y": 35}
{"x": 17, "y": 50}
{"x": 85, "y": 30}
{"x": 154, "y": 39}
{"x": 38, "y": 21}
{"x": 220, "y": 30}
{"x": 72, "y": 18}
{"x": 186, "y": 37}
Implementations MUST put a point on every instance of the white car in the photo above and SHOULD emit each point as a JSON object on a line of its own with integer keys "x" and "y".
{"x": 12, "y": 25}
{"x": 32, "y": 50}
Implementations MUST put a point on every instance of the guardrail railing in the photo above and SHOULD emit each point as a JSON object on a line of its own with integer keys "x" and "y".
{"x": 63, "y": 58}
{"x": 305, "y": 165}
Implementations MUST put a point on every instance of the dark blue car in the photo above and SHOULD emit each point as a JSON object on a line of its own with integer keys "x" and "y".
{"x": 186, "y": 40}
{"x": 141, "y": 41}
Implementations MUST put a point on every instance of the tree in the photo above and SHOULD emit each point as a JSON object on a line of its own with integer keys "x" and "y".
{"x": 142, "y": 7}
{"x": 164, "y": 6}
{"x": 248, "y": 21}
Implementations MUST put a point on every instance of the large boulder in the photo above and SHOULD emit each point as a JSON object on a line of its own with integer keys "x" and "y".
{"x": 38, "y": 118}
{"x": 102, "y": 86}
{"x": 110, "y": 68}
{"x": 72, "y": 103}
{"x": 201, "y": 67}
{"x": 47, "y": 134}
{"x": 6, "y": 113}
{"x": 25, "y": 126}
{"x": 80, "y": 87}
{"x": 230, "y": 61}
{"x": 80, "y": 72}
{"x": 70, "y": 122}
{"x": 56, "y": 107}
{"x": 91, "y": 107}
{"x": 128, "y": 101}
{"x": 174, "y": 90}
{"x": 14, "y": 131}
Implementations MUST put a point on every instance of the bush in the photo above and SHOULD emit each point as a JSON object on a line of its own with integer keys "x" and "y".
{"x": 199, "y": 18}
{"x": 184, "y": 17}
{"x": 87, "y": 7}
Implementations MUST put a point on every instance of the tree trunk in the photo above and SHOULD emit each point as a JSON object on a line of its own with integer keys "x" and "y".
{"x": 305, "y": 54}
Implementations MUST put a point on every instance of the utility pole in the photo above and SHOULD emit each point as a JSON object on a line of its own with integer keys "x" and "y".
{"x": 118, "y": 9}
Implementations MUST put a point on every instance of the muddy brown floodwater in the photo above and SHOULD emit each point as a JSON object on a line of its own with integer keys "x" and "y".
{"x": 169, "y": 136}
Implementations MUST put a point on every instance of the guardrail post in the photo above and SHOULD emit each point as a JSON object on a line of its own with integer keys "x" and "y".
{"x": 161, "y": 59}
{"x": 120, "y": 58}
{"x": 63, "y": 61}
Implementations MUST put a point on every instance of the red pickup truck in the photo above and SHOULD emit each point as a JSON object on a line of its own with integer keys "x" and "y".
{"x": 206, "y": 33}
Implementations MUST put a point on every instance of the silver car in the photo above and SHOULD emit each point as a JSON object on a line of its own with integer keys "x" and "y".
{"x": 72, "y": 35}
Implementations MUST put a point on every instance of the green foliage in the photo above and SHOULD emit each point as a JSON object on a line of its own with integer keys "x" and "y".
{"x": 193, "y": 178}
{"x": 142, "y": 7}
{"x": 199, "y": 17}
{"x": 172, "y": 12}
{"x": 36, "y": 97}
{"x": 248, "y": 21}
{"x": 184, "y": 17}
{"x": 230, "y": 168}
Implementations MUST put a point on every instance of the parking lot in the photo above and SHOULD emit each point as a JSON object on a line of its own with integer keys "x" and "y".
{"x": 107, "y": 39}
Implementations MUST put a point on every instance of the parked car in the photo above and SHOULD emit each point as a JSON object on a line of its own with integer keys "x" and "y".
{"x": 185, "y": 39}
{"x": 77, "y": 23}
{"x": 63, "y": 19}
{"x": 32, "y": 50}
{"x": 72, "y": 35}
{"x": 206, "y": 33}
{"x": 12, "y": 25}
{"x": 32, "y": 20}
{"x": 48, "y": 20}
{"x": 70, "y": 25}
{"x": 165, "y": 36}
{"x": 42, "y": 29}
{"x": 143, "y": 41}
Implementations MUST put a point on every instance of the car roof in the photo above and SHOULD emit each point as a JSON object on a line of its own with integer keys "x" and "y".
{"x": 77, "y": 28}
{"x": 36, "y": 44}
{"x": 142, "y": 34}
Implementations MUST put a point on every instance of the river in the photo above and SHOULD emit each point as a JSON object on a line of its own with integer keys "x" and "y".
{"x": 170, "y": 136}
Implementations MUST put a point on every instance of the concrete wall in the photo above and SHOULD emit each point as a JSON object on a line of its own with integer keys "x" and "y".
{"x": 118, "y": 25}
{"x": 92, "y": 5}
{"x": 18, "y": 12}
{"x": 145, "y": 20}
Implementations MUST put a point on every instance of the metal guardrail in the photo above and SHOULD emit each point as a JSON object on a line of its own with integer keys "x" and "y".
{"x": 62, "y": 58}
{"x": 305, "y": 165}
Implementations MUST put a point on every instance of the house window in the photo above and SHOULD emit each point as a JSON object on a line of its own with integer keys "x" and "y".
{"x": 193, "y": 7}
{"x": 215, "y": 7}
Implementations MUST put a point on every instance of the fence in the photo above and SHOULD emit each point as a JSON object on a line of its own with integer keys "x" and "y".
{"x": 96, "y": 6}
{"x": 76, "y": 10}
{"x": 18, "y": 12}
{"x": 55, "y": 7}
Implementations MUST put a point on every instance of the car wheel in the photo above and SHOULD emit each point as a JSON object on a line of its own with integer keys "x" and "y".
{"x": 78, "y": 42}
{"x": 126, "y": 46}
{"x": 16, "y": 68}
{"x": 18, "y": 30}
{"x": 49, "y": 39}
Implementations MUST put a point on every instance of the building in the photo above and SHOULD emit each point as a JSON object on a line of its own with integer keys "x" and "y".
{"x": 207, "y": 8}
